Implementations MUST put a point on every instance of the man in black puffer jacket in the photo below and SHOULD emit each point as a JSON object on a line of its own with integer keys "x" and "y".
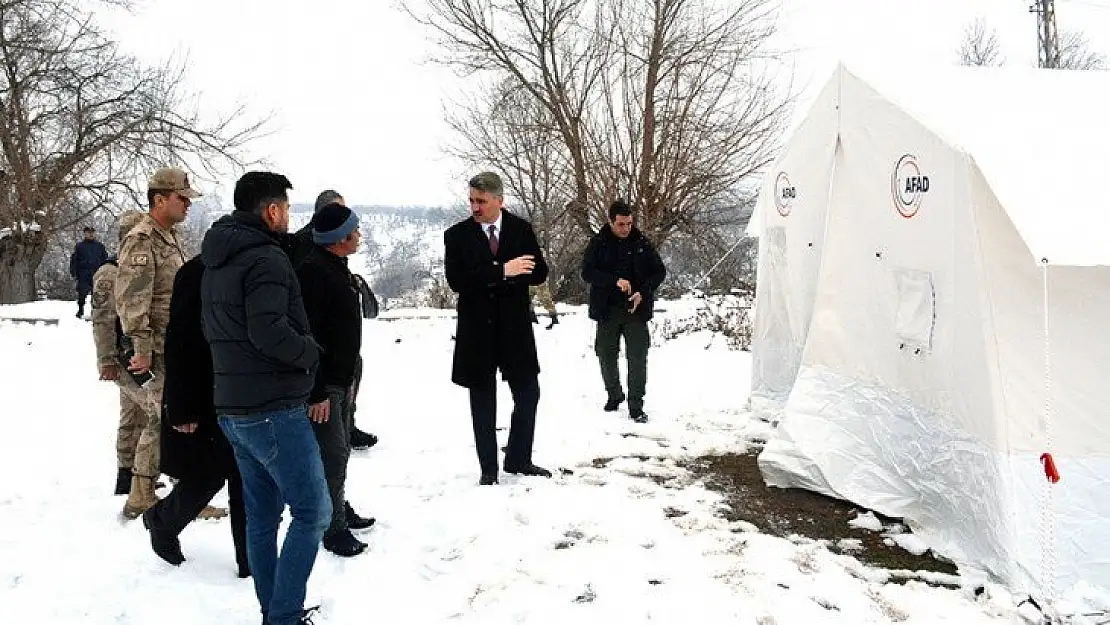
{"x": 623, "y": 271}
{"x": 264, "y": 363}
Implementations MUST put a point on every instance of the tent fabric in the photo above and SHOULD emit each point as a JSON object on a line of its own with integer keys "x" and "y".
{"x": 899, "y": 338}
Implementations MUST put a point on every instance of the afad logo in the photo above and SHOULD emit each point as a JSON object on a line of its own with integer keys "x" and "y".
{"x": 785, "y": 194}
{"x": 908, "y": 186}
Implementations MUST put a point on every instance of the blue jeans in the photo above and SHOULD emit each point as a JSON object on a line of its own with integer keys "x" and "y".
{"x": 279, "y": 460}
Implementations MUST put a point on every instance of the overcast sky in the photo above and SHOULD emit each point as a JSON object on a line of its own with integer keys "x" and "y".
{"x": 357, "y": 108}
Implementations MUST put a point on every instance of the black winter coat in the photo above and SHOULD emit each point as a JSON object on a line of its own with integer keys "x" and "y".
{"x": 187, "y": 395}
{"x": 599, "y": 267}
{"x": 331, "y": 300}
{"x": 87, "y": 257}
{"x": 494, "y": 327}
{"x": 263, "y": 355}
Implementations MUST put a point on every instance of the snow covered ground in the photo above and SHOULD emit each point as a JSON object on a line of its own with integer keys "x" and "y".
{"x": 593, "y": 545}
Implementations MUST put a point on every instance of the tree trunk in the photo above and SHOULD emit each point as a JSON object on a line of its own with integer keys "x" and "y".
{"x": 20, "y": 256}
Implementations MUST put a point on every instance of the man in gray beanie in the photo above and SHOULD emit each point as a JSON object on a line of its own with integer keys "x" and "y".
{"x": 331, "y": 301}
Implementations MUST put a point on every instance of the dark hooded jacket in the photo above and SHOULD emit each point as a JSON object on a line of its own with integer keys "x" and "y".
{"x": 263, "y": 355}
{"x": 607, "y": 258}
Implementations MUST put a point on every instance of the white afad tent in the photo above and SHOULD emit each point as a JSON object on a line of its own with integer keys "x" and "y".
{"x": 932, "y": 326}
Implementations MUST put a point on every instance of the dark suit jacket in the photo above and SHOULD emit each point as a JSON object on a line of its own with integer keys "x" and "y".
{"x": 494, "y": 328}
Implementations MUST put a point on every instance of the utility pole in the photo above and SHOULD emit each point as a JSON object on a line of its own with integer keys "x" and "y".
{"x": 1048, "y": 45}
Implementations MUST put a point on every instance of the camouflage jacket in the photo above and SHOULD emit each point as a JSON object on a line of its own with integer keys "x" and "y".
{"x": 149, "y": 258}
{"x": 105, "y": 323}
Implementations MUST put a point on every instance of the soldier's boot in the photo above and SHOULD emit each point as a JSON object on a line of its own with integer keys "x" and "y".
{"x": 141, "y": 497}
{"x": 123, "y": 481}
{"x": 212, "y": 512}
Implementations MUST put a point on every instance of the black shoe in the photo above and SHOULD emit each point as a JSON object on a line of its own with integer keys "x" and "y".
{"x": 306, "y": 616}
{"x": 344, "y": 544}
{"x": 362, "y": 440}
{"x": 356, "y": 522}
{"x": 637, "y": 415}
{"x": 123, "y": 481}
{"x": 487, "y": 480}
{"x": 554, "y": 320}
{"x": 614, "y": 403}
{"x": 531, "y": 469}
{"x": 165, "y": 544}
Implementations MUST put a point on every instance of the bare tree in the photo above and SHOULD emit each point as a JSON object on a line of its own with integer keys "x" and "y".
{"x": 1076, "y": 53}
{"x": 980, "y": 46}
{"x": 81, "y": 124}
{"x": 668, "y": 103}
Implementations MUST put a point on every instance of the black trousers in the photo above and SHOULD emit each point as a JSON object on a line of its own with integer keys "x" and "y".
{"x": 522, "y": 431}
{"x": 83, "y": 291}
{"x": 190, "y": 495}
{"x": 334, "y": 438}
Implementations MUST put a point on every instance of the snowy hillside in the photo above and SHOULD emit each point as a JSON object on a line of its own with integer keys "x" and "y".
{"x": 624, "y": 534}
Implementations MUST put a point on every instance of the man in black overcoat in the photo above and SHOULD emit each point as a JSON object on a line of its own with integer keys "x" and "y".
{"x": 193, "y": 448}
{"x": 490, "y": 260}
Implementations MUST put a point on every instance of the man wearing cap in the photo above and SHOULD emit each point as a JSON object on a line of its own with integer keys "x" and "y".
{"x": 149, "y": 257}
{"x": 331, "y": 300}
{"x": 87, "y": 257}
{"x": 108, "y": 338}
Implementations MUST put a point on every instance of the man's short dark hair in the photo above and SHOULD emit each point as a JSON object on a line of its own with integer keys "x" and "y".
{"x": 619, "y": 208}
{"x": 325, "y": 198}
{"x": 258, "y": 189}
{"x": 488, "y": 182}
{"x": 88, "y": 229}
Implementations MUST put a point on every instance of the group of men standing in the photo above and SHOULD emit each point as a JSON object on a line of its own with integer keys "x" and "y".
{"x": 243, "y": 363}
{"x": 229, "y": 373}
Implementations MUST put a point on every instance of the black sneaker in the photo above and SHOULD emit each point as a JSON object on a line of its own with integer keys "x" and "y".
{"x": 614, "y": 403}
{"x": 356, "y": 522}
{"x": 362, "y": 440}
{"x": 638, "y": 416}
{"x": 344, "y": 544}
{"x": 306, "y": 616}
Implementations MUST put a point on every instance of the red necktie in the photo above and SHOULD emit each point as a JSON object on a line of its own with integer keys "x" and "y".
{"x": 493, "y": 240}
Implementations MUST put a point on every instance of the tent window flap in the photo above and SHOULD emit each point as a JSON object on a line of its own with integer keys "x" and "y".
{"x": 916, "y": 309}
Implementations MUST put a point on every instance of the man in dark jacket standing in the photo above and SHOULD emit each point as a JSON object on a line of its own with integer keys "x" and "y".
{"x": 264, "y": 363}
{"x": 490, "y": 261}
{"x": 331, "y": 299}
{"x": 302, "y": 246}
{"x": 623, "y": 271}
{"x": 193, "y": 448}
{"x": 87, "y": 257}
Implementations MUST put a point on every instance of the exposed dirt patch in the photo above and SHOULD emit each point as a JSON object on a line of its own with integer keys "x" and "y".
{"x": 786, "y": 511}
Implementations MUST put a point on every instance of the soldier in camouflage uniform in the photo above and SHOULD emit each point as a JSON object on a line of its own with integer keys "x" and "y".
{"x": 543, "y": 293}
{"x": 108, "y": 338}
{"x": 149, "y": 258}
